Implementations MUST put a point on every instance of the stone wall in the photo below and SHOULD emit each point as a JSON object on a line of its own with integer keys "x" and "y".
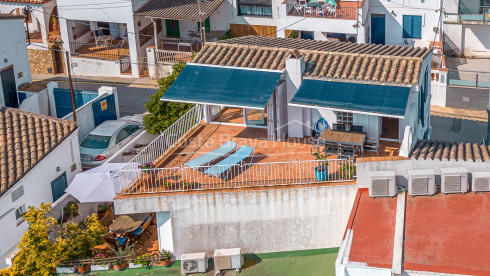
{"x": 42, "y": 61}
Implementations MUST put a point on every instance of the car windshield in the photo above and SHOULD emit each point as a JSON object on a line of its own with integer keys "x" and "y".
{"x": 96, "y": 141}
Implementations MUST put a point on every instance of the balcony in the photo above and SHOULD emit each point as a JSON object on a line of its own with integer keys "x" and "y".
{"x": 274, "y": 163}
{"x": 320, "y": 11}
{"x": 478, "y": 14}
{"x": 112, "y": 50}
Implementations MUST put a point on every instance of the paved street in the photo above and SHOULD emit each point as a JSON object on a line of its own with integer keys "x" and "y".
{"x": 457, "y": 130}
{"x": 132, "y": 97}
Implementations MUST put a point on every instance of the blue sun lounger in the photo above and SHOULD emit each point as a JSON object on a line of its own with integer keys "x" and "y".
{"x": 225, "y": 164}
{"x": 212, "y": 155}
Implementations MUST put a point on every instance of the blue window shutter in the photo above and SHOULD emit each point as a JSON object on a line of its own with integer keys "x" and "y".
{"x": 58, "y": 186}
{"x": 412, "y": 26}
{"x": 407, "y": 26}
{"x": 416, "y": 26}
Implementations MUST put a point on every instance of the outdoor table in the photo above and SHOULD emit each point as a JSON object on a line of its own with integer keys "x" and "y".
{"x": 127, "y": 223}
{"x": 355, "y": 139}
{"x": 105, "y": 38}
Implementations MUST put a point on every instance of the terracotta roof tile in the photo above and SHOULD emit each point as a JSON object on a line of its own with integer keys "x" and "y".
{"x": 331, "y": 60}
{"x": 28, "y": 1}
{"x": 25, "y": 138}
{"x": 444, "y": 150}
{"x": 179, "y": 10}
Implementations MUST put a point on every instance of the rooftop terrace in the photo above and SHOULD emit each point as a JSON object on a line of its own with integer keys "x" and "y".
{"x": 273, "y": 163}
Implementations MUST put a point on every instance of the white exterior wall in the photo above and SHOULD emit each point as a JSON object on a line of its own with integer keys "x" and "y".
{"x": 96, "y": 67}
{"x": 39, "y": 14}
{"x": 282, "y": 21}
{"x": 37, "y": 190}
{"x": 428, "y": 9}
{"x": 102, "y": 11}
{"x": 258, "y": 221}
{"x": 13, "y": 48}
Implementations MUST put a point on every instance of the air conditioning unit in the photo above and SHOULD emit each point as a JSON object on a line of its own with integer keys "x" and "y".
{"x": 225, "y": 259}
{"x": 480, "y": 181}
{"x": 454, "y": 180}
{"x": 382, "y": 183}
{"x": 194, "y": 263}
{"x": 421, "y": 182}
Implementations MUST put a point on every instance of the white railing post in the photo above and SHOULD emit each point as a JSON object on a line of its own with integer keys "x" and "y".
{"x": 240, "y": 176}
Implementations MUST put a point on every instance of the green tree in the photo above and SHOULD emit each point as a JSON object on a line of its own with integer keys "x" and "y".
{"x": 163, "y": 114}
{"x": 78, "y": 240}
{"x": 39, "y": 255}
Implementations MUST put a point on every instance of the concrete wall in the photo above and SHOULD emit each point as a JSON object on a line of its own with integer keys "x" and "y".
{"x": 394, "y": 11}
{"x": 39, "y": 14}
{"x": 96, "y": 67}
{"x": 401, "y": 167}
{"x": 13, "y": 51}
{"x": 471, "y": 39}
{"x": 36, "y": 103}
{"x": 37, "y": 189}
{"x": 258, "y": 221}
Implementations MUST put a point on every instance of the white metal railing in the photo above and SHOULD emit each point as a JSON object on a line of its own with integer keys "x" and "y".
{"x": 162, "y": 144}
{"x": 172, "y": 57}
{"x": 183, "y": 178}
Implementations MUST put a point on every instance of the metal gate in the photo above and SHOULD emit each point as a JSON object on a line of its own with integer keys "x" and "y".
{"x": 62, "y": 99}
{"x": 104, "y": 109}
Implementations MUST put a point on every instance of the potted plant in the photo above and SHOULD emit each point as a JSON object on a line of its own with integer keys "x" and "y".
{"x": 102, "y": 210}
{"x": 122, "y": 253}
{"x": 70, "y": 210}
{"x": 321, "y": 170}
{"x": 83, "y": 268}
{"x": 149, "y": 177}
{"x": 347, "y": 171}
{"x": 100, "y": 264}
{"x": 142, "y": 261}
{"x": 166, "y": 258}
{"x": 119, "y": 264}
{"x": 147, "y": 168}
{"x": 65, "y": 268}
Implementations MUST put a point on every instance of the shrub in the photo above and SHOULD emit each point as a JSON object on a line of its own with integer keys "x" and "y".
{"x": 38, "y": 255}
{"x": 78, "y": 241}
{"x": 347, "y": 171}
{"x": 70, "y": 210}
{"x": 163, "y": 114}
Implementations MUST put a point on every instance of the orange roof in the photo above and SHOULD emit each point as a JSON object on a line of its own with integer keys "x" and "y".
{"x": 373, "y": 229}
{"x": 448, "y": 234}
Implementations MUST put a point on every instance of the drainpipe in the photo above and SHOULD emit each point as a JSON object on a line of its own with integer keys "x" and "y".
{"x": 155, "y": 33}
{"x": 26, "y": 13}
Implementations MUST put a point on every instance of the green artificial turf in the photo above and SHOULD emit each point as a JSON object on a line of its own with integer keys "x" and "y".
{"x": 306, "y": 262}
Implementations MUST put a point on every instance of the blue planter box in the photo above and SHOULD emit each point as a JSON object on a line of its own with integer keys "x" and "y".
{"x": 321, "y": 176}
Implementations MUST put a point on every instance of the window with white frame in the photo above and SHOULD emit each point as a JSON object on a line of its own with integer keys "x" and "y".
{"x": 344, "y": 118}
{"x": 19, "y": 212}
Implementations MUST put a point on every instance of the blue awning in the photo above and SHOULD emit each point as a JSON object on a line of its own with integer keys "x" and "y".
{"x": 223, "y": 86}
{"x": 388, "y": 101}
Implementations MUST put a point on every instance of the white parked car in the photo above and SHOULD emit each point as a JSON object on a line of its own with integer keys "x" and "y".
{"x": 107, "y": 139}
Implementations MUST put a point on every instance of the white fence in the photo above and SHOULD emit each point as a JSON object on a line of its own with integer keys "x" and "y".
{"x": 236, "y": 176}
{"x": 164, "y": 142}
{"x": 172, "y": 57}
